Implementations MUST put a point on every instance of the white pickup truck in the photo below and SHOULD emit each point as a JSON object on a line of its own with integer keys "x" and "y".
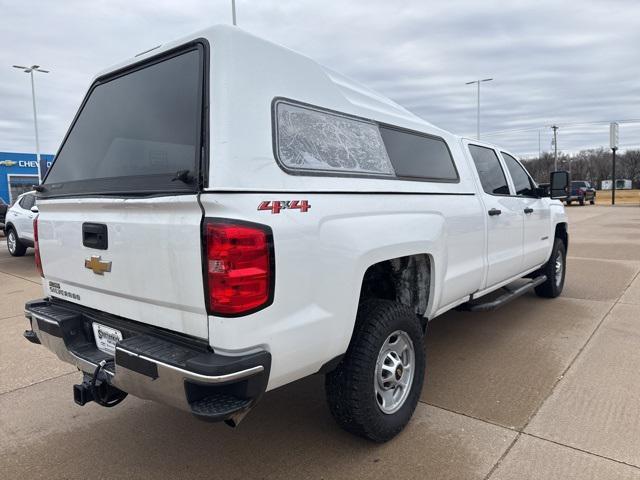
{"x": 226, "y": 216}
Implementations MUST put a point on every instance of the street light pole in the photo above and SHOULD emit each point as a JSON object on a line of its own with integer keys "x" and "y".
{"x": 30, "y": 70}
{"x": 233, "y": 11}
{"x": 478, "y": 82}
{"x": 539, "y": 151}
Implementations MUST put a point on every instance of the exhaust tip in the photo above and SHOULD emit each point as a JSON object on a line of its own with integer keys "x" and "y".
{"x": 31, "y": 336}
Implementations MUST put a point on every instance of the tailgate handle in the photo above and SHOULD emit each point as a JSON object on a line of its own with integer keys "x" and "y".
{"x": 94, "y": 235}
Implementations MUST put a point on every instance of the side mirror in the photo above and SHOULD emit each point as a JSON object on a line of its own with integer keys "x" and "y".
{"x": 559, "y": 185}
{"x": 542, "y": 190}
{"x": 34, "y": 209}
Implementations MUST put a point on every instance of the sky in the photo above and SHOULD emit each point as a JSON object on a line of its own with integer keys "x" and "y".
{"x": 571, "y": 63}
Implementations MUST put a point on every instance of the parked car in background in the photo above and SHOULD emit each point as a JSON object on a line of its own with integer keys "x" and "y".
{"x": 581, "y": 192}
{"x": 3, "y": 213}
{"x": 19, "y": 224}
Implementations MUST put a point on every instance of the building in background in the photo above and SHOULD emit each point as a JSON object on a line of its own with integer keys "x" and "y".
{"x": 621, "y": 184}
{"x": 19, "y": 173}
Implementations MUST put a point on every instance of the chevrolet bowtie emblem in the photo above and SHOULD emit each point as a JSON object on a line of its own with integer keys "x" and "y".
{"x": 97, "y": 265}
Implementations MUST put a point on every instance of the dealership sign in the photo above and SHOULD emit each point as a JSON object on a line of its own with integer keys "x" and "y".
{"x": 22, "y": 163}
{"x": 19, "y": 172}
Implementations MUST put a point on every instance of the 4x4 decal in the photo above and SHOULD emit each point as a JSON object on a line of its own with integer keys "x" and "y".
{"x": 277, "y": 205}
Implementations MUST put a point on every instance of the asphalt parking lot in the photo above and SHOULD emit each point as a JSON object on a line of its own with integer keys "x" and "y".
{"x": 540, "y": 389}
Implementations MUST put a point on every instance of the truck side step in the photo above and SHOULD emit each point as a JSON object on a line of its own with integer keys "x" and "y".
{"x": 219, "y": 406}
{"x": 510, "y": 294}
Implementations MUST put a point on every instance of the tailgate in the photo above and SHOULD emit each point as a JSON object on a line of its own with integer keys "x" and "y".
{"x": 150, "y": 270}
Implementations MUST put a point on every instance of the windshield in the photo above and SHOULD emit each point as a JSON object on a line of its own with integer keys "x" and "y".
{"x": 135, "y": 133}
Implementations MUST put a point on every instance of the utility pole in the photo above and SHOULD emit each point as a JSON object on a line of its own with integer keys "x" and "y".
{"x": 478, "y": 82}
{"x": 233, "y": 11}
{"x": 30, "y": 70}
{"x": 555, "y": 147}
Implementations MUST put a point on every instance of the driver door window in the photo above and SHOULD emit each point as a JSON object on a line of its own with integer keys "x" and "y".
{"x": 521, "y": 180}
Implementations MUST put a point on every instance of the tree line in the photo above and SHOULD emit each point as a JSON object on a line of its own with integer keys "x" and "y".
{"x": 592, "y": 165}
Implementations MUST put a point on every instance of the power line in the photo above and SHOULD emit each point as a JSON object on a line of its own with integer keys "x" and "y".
{"x": 563, "y": 125}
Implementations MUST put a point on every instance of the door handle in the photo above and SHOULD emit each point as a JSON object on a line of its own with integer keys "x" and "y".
{"x": 528, "y": 210}
{"x": 494, "y": 211}
{"x": 95, "y": 235}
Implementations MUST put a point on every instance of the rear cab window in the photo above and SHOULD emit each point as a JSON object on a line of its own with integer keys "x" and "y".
{"x": 136, "y": 132}
{"x": 492, "y": 177}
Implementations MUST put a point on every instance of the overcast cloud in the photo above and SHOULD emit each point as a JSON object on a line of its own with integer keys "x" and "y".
{"x": 552, "y": 61}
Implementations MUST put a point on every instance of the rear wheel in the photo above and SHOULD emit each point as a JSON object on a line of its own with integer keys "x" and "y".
{"x": 581, "y": 200}
{"x": 568, "y": 202}
{"x": 16, "y": 249}
{"x": 555, "y": 270}
{"x": 375, "y": 389}
{"x": 592, "y": 201}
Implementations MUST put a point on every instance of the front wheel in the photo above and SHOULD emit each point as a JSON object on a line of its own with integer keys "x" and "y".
{"x": 375, "y": 389}
{"x": 555, "y": 270}
{"x": 592, "y": 201}
{"x": 16, "y": 249}
{"x": 581, "y": 201}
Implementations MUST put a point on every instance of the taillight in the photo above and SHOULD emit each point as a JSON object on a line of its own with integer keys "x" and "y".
{"x": 239, "y": 270}
{"x": 36, "y": 247}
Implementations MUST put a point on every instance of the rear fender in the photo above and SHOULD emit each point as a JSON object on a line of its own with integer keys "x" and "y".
{"x": 370, "y": 241}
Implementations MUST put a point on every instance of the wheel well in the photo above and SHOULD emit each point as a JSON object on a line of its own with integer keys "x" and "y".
{"x": 406, "y": 280}
{"x": 562, "y": 234}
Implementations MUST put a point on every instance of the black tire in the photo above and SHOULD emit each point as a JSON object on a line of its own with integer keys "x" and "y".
{"x": 592, "y": 201}
{"x": 568, "y": 202}
{"x": 581, "y": 201}
{"x": 15, "y": 247}
{"x": 553, "y": 286}
{"x": 351, "y": 387}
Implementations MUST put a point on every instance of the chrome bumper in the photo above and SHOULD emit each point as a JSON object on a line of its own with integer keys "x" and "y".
{"x": 185, "y": 385}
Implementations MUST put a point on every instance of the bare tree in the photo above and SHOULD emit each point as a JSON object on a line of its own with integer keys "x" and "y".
{"x": 593, "y": 165}
{"x": 630, "y": 163}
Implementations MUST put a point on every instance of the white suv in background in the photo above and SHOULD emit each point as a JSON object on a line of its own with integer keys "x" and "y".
{"x": 19, "y": 224}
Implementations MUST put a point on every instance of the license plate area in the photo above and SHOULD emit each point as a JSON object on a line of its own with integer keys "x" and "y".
{"x": 106, "y": 338}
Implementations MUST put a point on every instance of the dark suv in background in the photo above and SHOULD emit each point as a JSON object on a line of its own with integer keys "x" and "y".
{"x": 581, "y": 191}
{"x": 3, "y": 213}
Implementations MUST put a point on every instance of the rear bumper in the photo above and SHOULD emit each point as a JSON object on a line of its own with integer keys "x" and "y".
{"x": 153, "y": 364}
{"x": 586, "y": 196}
